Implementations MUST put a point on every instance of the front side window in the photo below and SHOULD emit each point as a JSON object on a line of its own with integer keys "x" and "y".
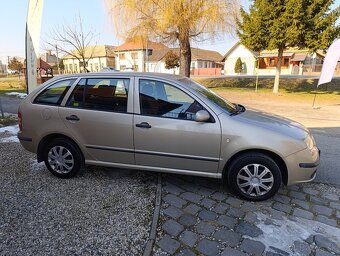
{"x": 164, "y": 100}
{"x": 54, "y": 94}
{"x": 103, "y": 94}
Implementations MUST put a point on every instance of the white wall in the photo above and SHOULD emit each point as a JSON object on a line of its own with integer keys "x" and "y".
{"x": 129, "y": 61}
{"x": 246, "y": 56}
{"x": 94, "y": 65}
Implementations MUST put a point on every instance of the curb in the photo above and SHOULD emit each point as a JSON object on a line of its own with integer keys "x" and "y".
{"x": 153, "y": 231}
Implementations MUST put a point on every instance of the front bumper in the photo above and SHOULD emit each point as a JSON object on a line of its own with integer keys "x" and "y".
{"x": 302, "y": 166}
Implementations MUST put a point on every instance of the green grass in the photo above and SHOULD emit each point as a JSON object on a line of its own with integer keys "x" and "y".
{"x": 12, "y": 83}
{"x": 287, "y": 85}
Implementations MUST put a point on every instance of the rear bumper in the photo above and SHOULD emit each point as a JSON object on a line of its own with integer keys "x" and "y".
{"x": 28, "y": 143}
{"x": 302, "y": 166}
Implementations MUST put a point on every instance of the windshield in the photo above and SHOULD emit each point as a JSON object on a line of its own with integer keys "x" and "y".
{"x": 218, "y": 100}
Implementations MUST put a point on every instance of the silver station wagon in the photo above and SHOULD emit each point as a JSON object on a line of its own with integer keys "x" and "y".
{"x": 163, "y": 123}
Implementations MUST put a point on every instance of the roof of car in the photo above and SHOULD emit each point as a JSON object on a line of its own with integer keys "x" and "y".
{"x": 141, "y": 74}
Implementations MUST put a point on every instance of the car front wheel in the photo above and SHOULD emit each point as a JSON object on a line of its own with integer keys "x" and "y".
{"x": 62, "y": 158}
{"x": 254, "y": 176}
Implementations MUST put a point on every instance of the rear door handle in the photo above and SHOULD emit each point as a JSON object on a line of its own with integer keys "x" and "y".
{"x": 72, "y": 118}
{"x": 143, "y": 125}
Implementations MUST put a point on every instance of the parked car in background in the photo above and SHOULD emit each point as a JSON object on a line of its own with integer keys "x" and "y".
{"x": 109, "y": 69}
{"x": 12, "y": 72}
{"x": 166, "y": 123}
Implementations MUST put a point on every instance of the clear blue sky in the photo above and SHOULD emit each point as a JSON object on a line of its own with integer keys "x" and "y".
{"x": 13, "y": 17}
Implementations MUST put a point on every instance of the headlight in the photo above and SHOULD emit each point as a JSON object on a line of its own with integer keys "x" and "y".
{"x": 309, "y": 140}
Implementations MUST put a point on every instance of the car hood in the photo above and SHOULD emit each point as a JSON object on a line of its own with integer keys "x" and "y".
{"x": 274, "y": 123}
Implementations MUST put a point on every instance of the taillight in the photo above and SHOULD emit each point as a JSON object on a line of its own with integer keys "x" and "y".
{"x": 20, "y": 120}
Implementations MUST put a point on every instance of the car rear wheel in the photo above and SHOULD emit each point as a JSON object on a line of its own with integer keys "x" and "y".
{"x": 254, "y": 176}
{"x": 62, "y": 158}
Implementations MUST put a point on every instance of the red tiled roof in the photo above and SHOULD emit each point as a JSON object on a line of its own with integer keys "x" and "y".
{"x": 139, "y": 44}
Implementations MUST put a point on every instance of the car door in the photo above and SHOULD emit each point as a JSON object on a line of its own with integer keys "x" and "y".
{"x": 165, "y": 133}
{"x": 98, "y": 114}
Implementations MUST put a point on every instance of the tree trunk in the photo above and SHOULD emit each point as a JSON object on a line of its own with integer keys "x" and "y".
{"x": 185, "y": 54}
{"x": 278, "y": 70}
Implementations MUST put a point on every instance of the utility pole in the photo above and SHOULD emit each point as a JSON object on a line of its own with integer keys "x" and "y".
{"x": 7, "y": 64}
{"x": 57, "y": 54}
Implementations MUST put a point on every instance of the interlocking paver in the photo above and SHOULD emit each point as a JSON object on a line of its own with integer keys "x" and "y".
{"x": 326, "y": 220}
{"x": 232, "y": 252}
{"x": 192, "y": 197}
{"x": 174, "y": 200}
{"x": 172, "y": 227}
{"x": 298, "y": 195}
{"x": 303, "y": 214}
{"x": 282, "y": 199}
{"x": 168, "y": 244}
{"x": 325, "y": 243}
{"x": 208, "y": 247}
{"x": 187, "y": 220}
{"x": 189, "y": 238}
{"x": 205, "y": 228}
{"x": 218, "y": 196}
{"x": 323, "y": 210}
{"x": 302, "y": 203}
{"x": 248, "y": 229}
{"x": 282, "y": 207}
{"x": 221, "y": 208}
{"x": 234, "y": 201}
{"x": 208, "y": 221}
{"x": 173, "y": 212}
{"x": 335, "y": 205}
{"x": 173, "y": 189}
{"x": 319, "y": 252}
{"x": 186, "y": 252}
{"x": 236, "y": 212}
{"x": 253, "y": 247}
{"x": 318, "y": 200}
{"x": 207, "y": 203}
{"x": 227, "y": 221}
{"x": 192, "y": 209}
{"x": 302, "y": 248}
{"x": 227, "y": 236}
{"x": 207, "y": 215}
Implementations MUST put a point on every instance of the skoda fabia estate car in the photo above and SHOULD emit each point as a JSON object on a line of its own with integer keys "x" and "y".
{"x": 163, "y": 123}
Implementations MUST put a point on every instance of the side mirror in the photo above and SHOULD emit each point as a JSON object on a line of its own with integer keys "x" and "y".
{"x": 202, "y": 116}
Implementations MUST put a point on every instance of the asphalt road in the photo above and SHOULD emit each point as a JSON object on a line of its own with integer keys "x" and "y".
{"x": 329, "y": 144}
{"x": 10, "y": 104}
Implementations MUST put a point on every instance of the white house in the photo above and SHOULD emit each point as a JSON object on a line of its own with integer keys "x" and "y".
{"x": 201, "y": 60}
{"x": 248, "y": 58}
{"x": 294, "y": 61}
{"x": 98, "y": 56}
{"x": 134, "y": 54}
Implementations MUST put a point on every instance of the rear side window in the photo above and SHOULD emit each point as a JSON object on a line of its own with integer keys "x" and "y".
{"x": 103, "y": 94}
{"x": 54, "y": 94}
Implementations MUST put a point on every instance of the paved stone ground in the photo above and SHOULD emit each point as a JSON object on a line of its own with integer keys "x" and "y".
{"x": 200, "y": 217}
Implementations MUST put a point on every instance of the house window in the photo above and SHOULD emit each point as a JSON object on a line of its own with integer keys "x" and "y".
{"x": 96, "y": 65}
{"x": 272, "y": 62}
{"x": 122, "y": 56}
{"x": 91, "y": 67}
{"x": 286, "y": 62}
{"x": 134, "y": 55}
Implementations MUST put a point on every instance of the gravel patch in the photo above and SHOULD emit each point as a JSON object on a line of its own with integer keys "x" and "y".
{"x": 102, "y": 211}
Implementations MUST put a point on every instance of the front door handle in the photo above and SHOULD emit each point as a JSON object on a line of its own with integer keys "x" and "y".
{"x": 143, "y": 125}
{"x": 72, "y": 118}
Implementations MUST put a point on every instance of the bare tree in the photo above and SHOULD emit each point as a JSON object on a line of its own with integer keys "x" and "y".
{"x": 75, "y": 42}
{"x": 176, "y": 21}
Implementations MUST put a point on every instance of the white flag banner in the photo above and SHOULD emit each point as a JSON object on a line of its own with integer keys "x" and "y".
{"x": 329, "y": 64}
{"x": 33, "y": 26}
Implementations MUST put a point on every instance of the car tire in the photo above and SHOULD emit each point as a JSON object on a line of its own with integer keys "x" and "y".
{"x": 254, "y": 176}
{"x": 62, "y": 158}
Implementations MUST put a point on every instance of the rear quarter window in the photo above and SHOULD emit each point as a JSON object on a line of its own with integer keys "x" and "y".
{"x": 54, "y": 94}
